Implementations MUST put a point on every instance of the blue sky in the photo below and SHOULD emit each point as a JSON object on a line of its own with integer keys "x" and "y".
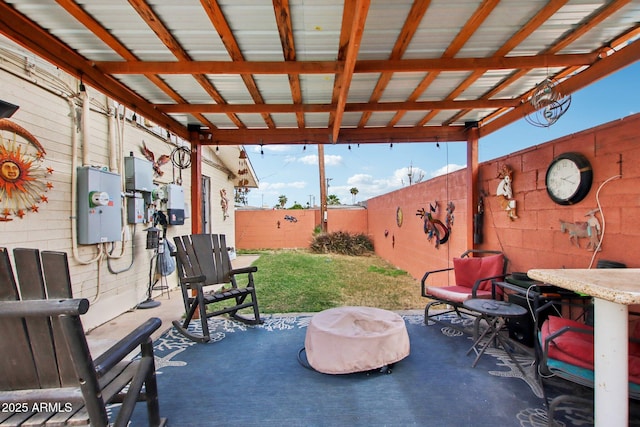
{"x": 375, "y": 169}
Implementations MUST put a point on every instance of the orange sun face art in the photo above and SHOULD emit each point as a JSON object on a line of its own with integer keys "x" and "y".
{"x": 22, "y": 173}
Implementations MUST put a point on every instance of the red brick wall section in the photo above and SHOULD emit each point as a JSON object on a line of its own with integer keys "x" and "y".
{"x": 533, "y": 240}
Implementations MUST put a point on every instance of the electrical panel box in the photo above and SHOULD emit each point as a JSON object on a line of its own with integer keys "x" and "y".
{"x": 175, "y": 204}
{"x": 138, "y": 174}
{"x": 99, "y": 206}
{"x": 136, "y": 210}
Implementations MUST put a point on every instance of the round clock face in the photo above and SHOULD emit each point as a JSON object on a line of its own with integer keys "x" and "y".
{"x": 569, "y": 178}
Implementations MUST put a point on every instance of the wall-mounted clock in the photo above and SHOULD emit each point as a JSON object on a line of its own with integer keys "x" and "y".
{"x": 569, "y": 178}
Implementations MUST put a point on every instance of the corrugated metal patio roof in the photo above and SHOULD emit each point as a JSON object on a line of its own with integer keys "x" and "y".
{"x": 328, "y": 71}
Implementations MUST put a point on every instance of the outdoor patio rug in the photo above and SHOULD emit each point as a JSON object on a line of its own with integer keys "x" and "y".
{"x": 251, "y": 376}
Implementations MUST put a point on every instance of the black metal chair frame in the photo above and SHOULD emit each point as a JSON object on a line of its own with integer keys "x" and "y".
{"x": 456, "y": 306}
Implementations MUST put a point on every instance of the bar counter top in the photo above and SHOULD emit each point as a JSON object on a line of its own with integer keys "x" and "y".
{"x": 619, "y": 285}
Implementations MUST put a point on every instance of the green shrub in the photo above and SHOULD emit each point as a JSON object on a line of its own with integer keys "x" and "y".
{"x": 340, "y": 242}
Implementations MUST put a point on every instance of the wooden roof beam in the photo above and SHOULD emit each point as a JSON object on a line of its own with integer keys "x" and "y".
{"x": 372, "y": 135}
{"x": 327, "y": 108}
{"x": 355, "y": 38}
{"x": 333, "y": 67}
{"x": 285, "y": 29}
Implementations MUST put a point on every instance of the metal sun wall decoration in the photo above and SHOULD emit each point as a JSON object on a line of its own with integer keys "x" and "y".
{"x": 22, "y": 172}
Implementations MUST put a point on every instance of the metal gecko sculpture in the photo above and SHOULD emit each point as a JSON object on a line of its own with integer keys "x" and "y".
{"x": 434, "y": 227}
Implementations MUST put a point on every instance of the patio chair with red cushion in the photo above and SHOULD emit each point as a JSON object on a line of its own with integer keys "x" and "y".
{"x": 474, "y": 273}
{"x": 566, "y": 352}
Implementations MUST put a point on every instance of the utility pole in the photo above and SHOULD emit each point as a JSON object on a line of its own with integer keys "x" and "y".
{"x": 323, "y": 189}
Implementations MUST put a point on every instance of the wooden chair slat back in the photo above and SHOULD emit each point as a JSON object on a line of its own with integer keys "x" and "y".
{"x": 8, "y": 285}
{"x": 55, "y": 269}
{"x": 225, "y": 261}
{"x": 31, "y": 282}
{"x": 17, "y": 369}
{"x": 210, "y": 255}
{"x": 185, "y": 257}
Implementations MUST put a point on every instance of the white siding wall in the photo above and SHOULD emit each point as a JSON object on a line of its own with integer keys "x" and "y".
{"x": 46, "y": 113}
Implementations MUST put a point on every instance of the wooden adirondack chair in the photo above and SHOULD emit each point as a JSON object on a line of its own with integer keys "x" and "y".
{"x": 47, "y": 375}
{"x": 202, "y": 261}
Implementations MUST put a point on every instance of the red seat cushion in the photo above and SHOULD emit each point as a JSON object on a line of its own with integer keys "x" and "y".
{"x": 454, "y": 293}
{"x": 468, "y": 270}
{"x": 576, "y": 348}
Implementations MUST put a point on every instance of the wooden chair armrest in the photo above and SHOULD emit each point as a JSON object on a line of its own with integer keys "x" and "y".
{"x": 40, "y": 307}
{"x": 193, "y": 279}
{"x": 126, "y": 345}
{"x": 243, "y": 270}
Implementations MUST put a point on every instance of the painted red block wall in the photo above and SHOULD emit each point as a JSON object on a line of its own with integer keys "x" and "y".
{"x": 534, "y": 239}
{"x": 288, "y": 229}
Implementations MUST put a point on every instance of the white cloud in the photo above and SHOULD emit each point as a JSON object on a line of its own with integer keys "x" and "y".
{"x": 452, "y": 167}
{"x": 279, "y": 186}
{"x": 368, "y": 186}
{"x": 329, "y": 160}
{"x": 276, "y": 148}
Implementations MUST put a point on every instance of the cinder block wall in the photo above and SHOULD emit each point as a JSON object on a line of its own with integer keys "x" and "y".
{"x": 532, "y": 240}
{"x": 261, "y": 229}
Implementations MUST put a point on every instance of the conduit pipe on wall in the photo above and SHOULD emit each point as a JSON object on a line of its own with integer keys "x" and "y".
{"x": 116, "y": 154}
{"x": 74, "y": 183}
{"x": 84, "y": 124}
{"x": 114, "y": 164}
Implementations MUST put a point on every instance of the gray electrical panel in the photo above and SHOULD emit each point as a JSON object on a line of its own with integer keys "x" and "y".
{"x": 137, "y": 212}
{"x": 138, "y": 182}
{"x": 175, "y": 204}
{"x": 99, "y": 217}
{"x": 138, "y": 174}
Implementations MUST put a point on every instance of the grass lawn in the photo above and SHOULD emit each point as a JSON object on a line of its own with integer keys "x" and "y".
{"x": 290, "y": 281}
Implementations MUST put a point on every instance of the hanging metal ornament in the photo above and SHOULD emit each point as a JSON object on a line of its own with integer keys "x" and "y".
{"x": 181, "y": 159}
{"x": 549, "y": 104}
{"x": 242, "y": 184}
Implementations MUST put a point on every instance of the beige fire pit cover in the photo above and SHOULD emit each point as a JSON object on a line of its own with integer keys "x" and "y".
{"x": 344, "y": 340}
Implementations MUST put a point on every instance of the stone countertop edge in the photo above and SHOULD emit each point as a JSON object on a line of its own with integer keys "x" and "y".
{"x": 619, "y": 285}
